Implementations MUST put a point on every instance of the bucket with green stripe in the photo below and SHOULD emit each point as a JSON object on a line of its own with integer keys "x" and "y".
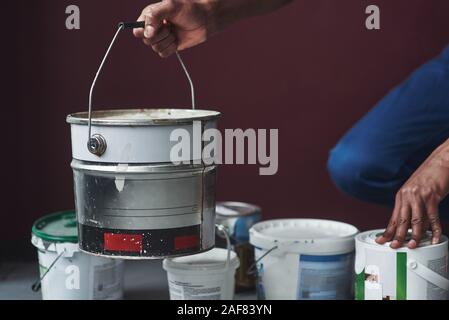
{"x": 383, "y": 273}
{"x": 66, "y": 273}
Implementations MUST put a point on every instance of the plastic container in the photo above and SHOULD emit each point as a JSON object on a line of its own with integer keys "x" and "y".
{"x": 383, "y": 273}
{"x": 205, "y": 276}
{"x": 304, "y": 259}
{"x": 67, "y": 273}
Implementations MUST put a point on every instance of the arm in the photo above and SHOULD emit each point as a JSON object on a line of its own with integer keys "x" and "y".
{"x": 172, "y": 25}
{"x": 418, "y": 200}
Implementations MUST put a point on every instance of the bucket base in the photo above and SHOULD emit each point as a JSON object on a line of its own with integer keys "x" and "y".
{"x": 141, "y": 244}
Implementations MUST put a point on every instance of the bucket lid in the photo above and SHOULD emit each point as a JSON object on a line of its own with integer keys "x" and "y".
{"x": 233, "y": 209}
{"x": 212, "y": 260}
{"x": 369, "y": 237}
{"x": 312, "y": 236}
{"x": 142, "y": 117}
{"x": 57, "y": 227}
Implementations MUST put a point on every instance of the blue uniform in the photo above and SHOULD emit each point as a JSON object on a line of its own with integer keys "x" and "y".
{"x": 377, "y": 156}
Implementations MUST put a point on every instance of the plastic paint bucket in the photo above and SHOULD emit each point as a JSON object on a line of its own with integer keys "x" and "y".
{"x": 203, "y": 276}
{"x": 304, "y": 259}
{"x": 383, "y": 273}
{"x": 238, "y": 218}
{"x": 67, "y": 273}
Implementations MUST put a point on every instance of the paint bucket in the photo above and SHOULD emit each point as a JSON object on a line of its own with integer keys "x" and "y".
{"x": 204, "y": 276}
{"x": 132, "y": 201}
{"x": 135, "y": 196}
{"x": 238, "y": 218}
{"x": 383, "y": 273}
{"x": 65, "y": 272}
{"x": 304, "y": 259}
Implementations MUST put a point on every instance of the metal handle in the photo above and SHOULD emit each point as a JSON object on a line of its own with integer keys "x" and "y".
{"x": 252, "y": 268}
{"x": 96, "y": 144}
{"x": 37, "y": 285}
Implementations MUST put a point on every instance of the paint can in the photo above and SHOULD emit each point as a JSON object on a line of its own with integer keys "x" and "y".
{"x": 383, "y": 273}
{"x": 132, "y": 201}
{"x": 238, "y": 218}
{"x": 204, "y": 276}
{"x": 65, "y": 272}
{"x": 304, "y": 259}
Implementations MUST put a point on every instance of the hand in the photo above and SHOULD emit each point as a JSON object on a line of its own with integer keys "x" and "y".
{"x": 172, "y": 25}
{"x": 417, "y": 202}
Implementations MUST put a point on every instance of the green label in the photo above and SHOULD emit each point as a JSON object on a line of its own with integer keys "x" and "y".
{"x": 360, "y": 286}
{"x": 401, "y": 276}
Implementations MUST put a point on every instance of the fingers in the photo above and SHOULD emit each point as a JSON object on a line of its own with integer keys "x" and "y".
{"x": 138, "y": 32}
{"x": 434, "y": 221}
{"x": 417, "y": 222}
{"x": 164, "y": 47}
{"x": 153, "y": 15}
{"x": 161, "y": 35}
{"x": 403, "y": 224}
{"x": 392, "y": 224}
{"x": 168, "y": 51}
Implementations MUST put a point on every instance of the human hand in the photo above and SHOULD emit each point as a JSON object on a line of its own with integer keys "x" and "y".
{"x": 417, "y": 202}
{"x": 172, "y": 25}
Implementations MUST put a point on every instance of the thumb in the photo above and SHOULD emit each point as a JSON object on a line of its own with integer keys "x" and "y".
{"x": 155, "y": 14}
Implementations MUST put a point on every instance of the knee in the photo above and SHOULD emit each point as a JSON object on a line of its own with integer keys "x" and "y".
{"x": 359, "y": 174}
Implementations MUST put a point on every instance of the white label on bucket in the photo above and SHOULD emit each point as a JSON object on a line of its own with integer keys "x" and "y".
{"x": 325, "y": 277}
{"x": 200, "y": 290}
{"x": 107, "y": 281}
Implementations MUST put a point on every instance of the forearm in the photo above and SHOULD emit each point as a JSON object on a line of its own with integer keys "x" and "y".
{"x": 440, "y": 159}
{"x": 226, "y": 12}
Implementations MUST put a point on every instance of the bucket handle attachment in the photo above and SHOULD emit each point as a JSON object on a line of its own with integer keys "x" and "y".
{"x": 37, "y": 285}
{"x": 252, "y": 270}
{"x": 428, "y": 274}
{"x": 96, "y": 144}
{"x": 280, "y": 246}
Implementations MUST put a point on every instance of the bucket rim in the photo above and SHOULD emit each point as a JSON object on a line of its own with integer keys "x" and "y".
{"x": 44, "y": 220}
{"x": 118, "y": 117}
{"x": 175, "y": 265}
{"x": 310, "y": 244}
{"x": 366, "y": 238}
{"x": 252, "y": 209}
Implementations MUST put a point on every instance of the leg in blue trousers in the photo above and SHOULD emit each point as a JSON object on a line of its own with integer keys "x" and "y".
{"x": 376, "y": 156}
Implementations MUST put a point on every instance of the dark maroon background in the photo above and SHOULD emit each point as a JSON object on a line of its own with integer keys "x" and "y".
{"x": 310, "y": 70}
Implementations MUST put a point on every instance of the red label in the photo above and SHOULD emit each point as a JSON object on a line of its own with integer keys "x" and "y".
{"x": 184, "y": 242}
{"x": 123, "y": 242}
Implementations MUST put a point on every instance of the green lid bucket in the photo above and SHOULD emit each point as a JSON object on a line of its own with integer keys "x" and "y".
{"x": 57, "y": 227}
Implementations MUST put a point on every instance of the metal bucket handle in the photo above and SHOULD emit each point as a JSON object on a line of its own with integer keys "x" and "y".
{"x": 221, "y": 228}
{"x": 37, "y": 285}
{"x": 279, "y": 246}
{"x": 96, "y": 144}
{"x": 225, "y": 232}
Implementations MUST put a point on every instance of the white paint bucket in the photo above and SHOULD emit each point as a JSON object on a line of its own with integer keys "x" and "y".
{"x": 204, "y": 276}
{"x": 304, "y": 259}
{"x": 400, "y": 274}
{"x": 67, "y": 273}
